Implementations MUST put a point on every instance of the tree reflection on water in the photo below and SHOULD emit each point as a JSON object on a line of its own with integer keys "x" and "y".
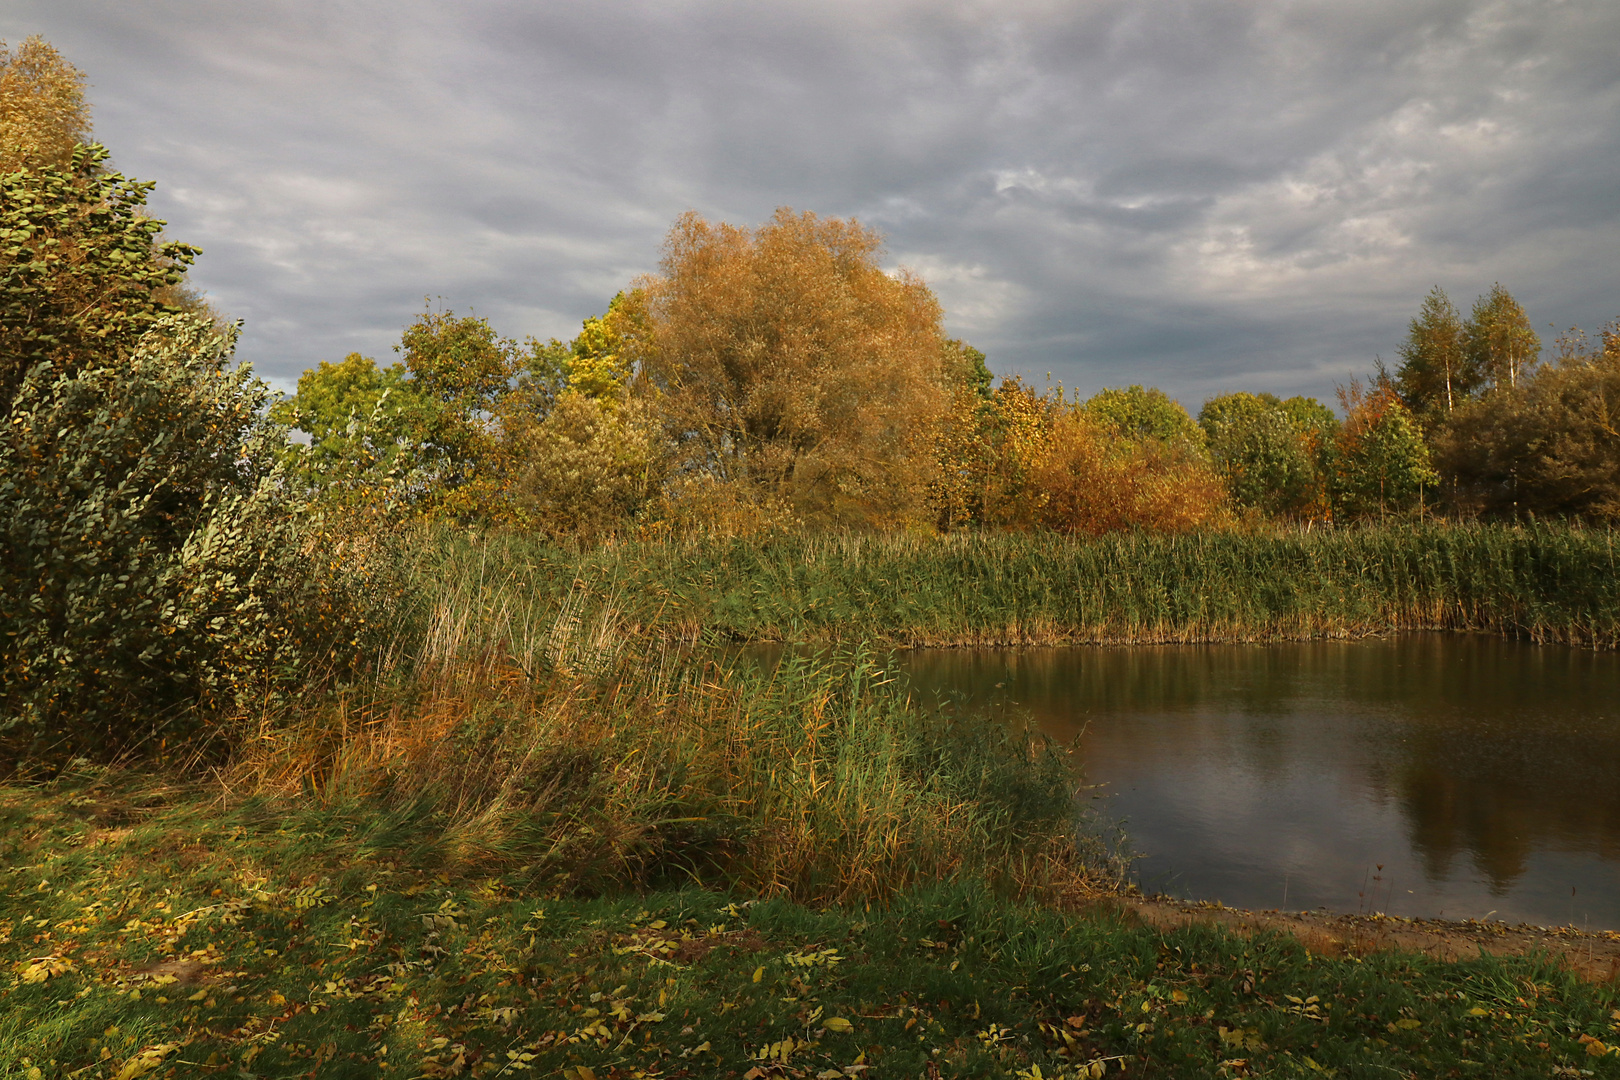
{"x": 1488, "y": 753}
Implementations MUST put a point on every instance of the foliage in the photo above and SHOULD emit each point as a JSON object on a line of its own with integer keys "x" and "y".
{"x": 1381, "y": 463}
{"x": 1137, "y": 413}
{"x": 986, "y": 450}
{"x": 590, "y": 466}
{"x": 784, "y": 360}
{"x": 81, "y": 279}
{"x": 156, "y": 576}
{"x": 366, "y": 427}
{"x": 43, "y": 113}
{"x": 149, "y": 929}
{"x": 1548, "y": 446}
{"x": 1437, "y": 372}
{"x": 461, "y": 367}
{"x": 1272, "y": 454}
{"x": 1090, "y": 480}
{"x": 1501, "y": 345}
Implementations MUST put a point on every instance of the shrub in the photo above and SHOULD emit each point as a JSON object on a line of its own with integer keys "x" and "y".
{"x": 1093, "y": 481}
{"x": 155, "y": 576}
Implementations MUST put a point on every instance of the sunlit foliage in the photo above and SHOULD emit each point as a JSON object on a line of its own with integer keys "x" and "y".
{"x": 80, "y": 278}
{"x": 787, "y": 363}
{"x": 1381, "y": 463}
{"x": 43, "y": 111}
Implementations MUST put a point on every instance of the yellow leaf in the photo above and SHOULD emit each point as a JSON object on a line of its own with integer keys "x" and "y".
{"x": 1477, "y": 1011}
{"x": 198, "y": 996}
{"x": 759, "y": 973}
{"x": 838, "y": 1024}
{"x": 1178, "y": 995}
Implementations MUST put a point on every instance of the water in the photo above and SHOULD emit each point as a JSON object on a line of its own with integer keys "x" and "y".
{"x": 1434, "y": 775}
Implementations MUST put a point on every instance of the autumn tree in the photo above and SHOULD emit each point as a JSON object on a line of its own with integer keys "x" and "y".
{"x": 1437, "y": 372}
{"x": 1550, "y": 445}
{"x": 1501, "y": 345}
{"x": 1381, "y": 463}
{"x": 591, "y": 454}
{"x": 788, "y": 366}
{"x": 1136, "y": 412}
{"x": 43, "y": 111}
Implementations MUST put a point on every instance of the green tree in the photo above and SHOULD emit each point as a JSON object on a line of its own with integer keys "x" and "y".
{"x": 1437, "y": 372}
{"x": 43, "y": 112}
{"x": 1138, "y": 413}
{"x": 366, "y": 426}
{"x": 1269, "y": 452}
{"x": 1501, "y": 344}
{"x": 1381, "y": 464}
{"x": 81, "y": 277}
{"x": 461, "y": 371}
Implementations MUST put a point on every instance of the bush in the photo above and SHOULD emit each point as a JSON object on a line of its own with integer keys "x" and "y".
{"x": 156, "y": 577}
{"x": 1093, "y": 481}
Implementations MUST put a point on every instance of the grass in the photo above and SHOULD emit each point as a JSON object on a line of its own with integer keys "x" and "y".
{"x": 1547, "y": 582}
{"x": 552, "y": 833}
{"x": 152, "y": 930}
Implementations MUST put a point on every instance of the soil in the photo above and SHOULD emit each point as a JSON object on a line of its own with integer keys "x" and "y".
{"x": 1593, "y": 956}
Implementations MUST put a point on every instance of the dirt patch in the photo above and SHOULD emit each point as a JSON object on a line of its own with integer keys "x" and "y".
{"x": 1594, "y": 956}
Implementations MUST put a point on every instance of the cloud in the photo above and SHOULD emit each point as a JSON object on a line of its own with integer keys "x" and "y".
{"x": 1202, "y": 195}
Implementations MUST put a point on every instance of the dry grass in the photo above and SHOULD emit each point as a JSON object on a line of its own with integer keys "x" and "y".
{"x": 544, "y": 735}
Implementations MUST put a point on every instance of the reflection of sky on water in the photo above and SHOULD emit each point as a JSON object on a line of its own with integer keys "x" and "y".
{"x": 1482, "y": 775}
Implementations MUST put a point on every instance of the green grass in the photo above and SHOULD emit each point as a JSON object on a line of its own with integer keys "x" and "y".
{"x": 1543, "y": 582}
{"x": 165, "y": 927}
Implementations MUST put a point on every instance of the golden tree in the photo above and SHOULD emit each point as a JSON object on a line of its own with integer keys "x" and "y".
{"x": 43, "y": 113}
{"x": 791, "y": 369}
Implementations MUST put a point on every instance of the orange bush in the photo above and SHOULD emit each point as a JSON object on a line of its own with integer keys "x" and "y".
{"x": 1090, "y": 480}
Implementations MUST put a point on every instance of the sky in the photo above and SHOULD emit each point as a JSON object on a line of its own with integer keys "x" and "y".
{"x": 1201, "y": 196}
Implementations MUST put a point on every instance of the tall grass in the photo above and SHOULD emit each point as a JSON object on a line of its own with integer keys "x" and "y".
{"x": 1548, "y": 583}
{"x": 540, "y": 730}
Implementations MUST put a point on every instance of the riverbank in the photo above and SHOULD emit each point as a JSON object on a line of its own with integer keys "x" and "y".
{"x": 1546, "y": 582}
{"x": 1590, "y": 955}
{"x": 159, "y": 929}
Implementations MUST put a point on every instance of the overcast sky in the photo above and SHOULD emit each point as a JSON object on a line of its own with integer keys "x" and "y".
{"x": 1202, "y": 196}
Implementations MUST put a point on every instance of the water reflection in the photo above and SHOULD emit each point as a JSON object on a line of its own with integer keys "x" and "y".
{"x": 1422, "y": 774}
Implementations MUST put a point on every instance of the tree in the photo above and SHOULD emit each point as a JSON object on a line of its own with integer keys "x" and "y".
{"x": 43, "y": 112}
{"x": 366, "y": 426}
{"x": 1138, "y": 413}
{"x": 81, "y": 279}
{"x": 1501, "y": 344}
{"x": 1437, "y": 372}
{"x": 592, "y": 464}
{"x": 1269, "y": 452}
{"x": 461, "y": 370}
{"x": 785, "y": 361}
{"x": 1549, "y": 446}
{"x": 1381, "y": 463}
{"x": 1093, "y": 480}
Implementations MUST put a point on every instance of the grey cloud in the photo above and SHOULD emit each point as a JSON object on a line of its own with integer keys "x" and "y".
{"x": 1203, "y": 195}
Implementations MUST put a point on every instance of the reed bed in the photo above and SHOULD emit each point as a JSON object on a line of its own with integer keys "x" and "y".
{"x": 540, "y": 731}
{"x": 1542, "y": 582}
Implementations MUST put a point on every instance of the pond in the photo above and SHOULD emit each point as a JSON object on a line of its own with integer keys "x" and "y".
{"x": 1435, "y": 775}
